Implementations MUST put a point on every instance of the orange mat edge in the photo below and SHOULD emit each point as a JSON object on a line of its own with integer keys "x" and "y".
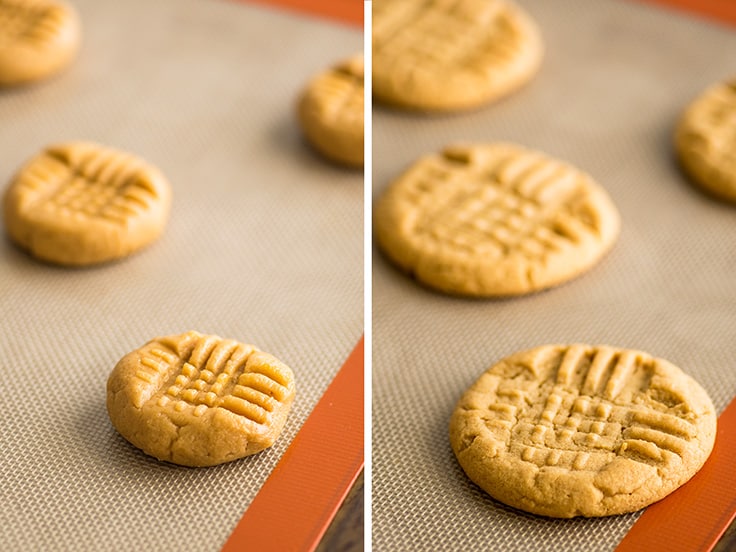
{"x": 344, "y": 11}
{"x": 718, "y": 10}
{"x": 695, "y": 516}
{"x": 299, "y": 499}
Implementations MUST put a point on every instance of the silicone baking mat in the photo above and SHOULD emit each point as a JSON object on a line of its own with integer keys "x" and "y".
{"x": 264, "y": 245}
{"x": 615, "y": 78}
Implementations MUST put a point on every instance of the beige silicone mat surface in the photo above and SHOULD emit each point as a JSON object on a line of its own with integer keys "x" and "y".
{"x": 615, "y": 78}
{"x": 264, "y": 245}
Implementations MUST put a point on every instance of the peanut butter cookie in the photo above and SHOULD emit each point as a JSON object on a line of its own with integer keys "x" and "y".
{"x": 578, "y": 430}
{"x": 199, "y": 400}
{"x": 82, "y": 203}
{"x": 330, "y": 112}
{"x": 705, "y": 140}
{"x": 494, "y": 220}
{"x": 38, "y": 38}
{"x": 446, "y": 55}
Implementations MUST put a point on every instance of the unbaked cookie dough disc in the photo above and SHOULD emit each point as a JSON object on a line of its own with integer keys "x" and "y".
{"x": 330, "y": 112}
{"x": 38, "y": 38}
{"x": 439, "y": 55}
{"x": 582, "y": 430}
{"x": 80, "y": 203}
{"x": 199, "y": 400}
{"x": 705, "y": 140}
{"x": 494, "y": 220}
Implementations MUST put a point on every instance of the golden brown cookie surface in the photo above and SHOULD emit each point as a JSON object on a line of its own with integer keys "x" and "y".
{"x": 579, "y": 430}
{"x": 38, "y": 38}
{"x": 705, "y": 140}
{"x": 444, "y": 55}
{"x": 82, "y": 203}
{"x": 199, "y": 400}
{"x": 494, "y": 220}
{"x": 331, "y": 110}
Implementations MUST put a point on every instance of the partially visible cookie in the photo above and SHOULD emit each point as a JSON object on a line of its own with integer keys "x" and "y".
{"x": 494, "y": 220}
{"x": 444, "y": 56}
{"x": 330, "y": 112}
{"x": 38, "y": 38}
{"x": 81, "y": 203}
{"x": 705, "y": 140}
{"x": 199, "y": 400}
{"x": 579, "y": 430}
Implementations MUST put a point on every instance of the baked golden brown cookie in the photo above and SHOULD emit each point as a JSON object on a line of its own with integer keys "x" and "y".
{"x": 199, "y": 400}
{"x": 494, "y": 220}
{"x": 705, "y": 140}
{"x": 82, "y": 203}
{"x": 38, "y": 38}
{"x": 330, "y": 112}
{"x": 578, "y": 430}
{"x": 438, "y": 55}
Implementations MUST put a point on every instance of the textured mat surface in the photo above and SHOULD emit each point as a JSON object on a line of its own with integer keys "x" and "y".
{"x": 614, "y": 80}
{"x": 264, "y": 245}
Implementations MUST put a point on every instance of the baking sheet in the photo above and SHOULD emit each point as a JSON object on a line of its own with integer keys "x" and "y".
{"x": 264, "y": 245}
{"x": 614, "y": 80}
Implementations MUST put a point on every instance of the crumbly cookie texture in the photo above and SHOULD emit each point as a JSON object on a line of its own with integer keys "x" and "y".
{"x": 81, "y": 203}
{"x": 330, "y": 112}
{"x": 38, "y": 38}
{"x": 199, "y": 400}
{"x": 579, "y": 430}
{"x": 705, "y": 140}
{"x": 434, "y": 55}
{"x": 494, "y": 220}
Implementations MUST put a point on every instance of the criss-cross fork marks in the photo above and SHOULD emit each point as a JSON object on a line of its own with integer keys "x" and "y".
{"x": 582, "y": 425}
{"x": 34, "y": 22}
{"x": 470, "y": 34}
{"x": 216, "y": 374}
{"x": 102, "y": 184}
{"x": 522, "y": 203}
{"x": 340, "y": 93}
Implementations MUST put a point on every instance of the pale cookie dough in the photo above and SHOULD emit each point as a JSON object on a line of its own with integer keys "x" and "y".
{"x": 578, "y": 430}
{"x": 494, "y": 220}
{"x": 82, "y": 203}
{"x": 330, "y": 112}
{"x": 705, "y": 140}
{"x": 199, "y": 400}
{"x": 439, "y": 55}
{"x": 38, "y": 38}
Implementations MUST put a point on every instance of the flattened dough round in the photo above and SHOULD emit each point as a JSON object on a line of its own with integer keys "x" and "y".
{"x": 582, "y": 430}
{"x": 494, "y": 220}
{"x": 705, "y": 140}
{"x": 330, "y": 112}
{"x": 199, "y": 400}
{"x": 81, "y": 203}
{"x": 38, "y": 38}
{"x": 437, "y": 55}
